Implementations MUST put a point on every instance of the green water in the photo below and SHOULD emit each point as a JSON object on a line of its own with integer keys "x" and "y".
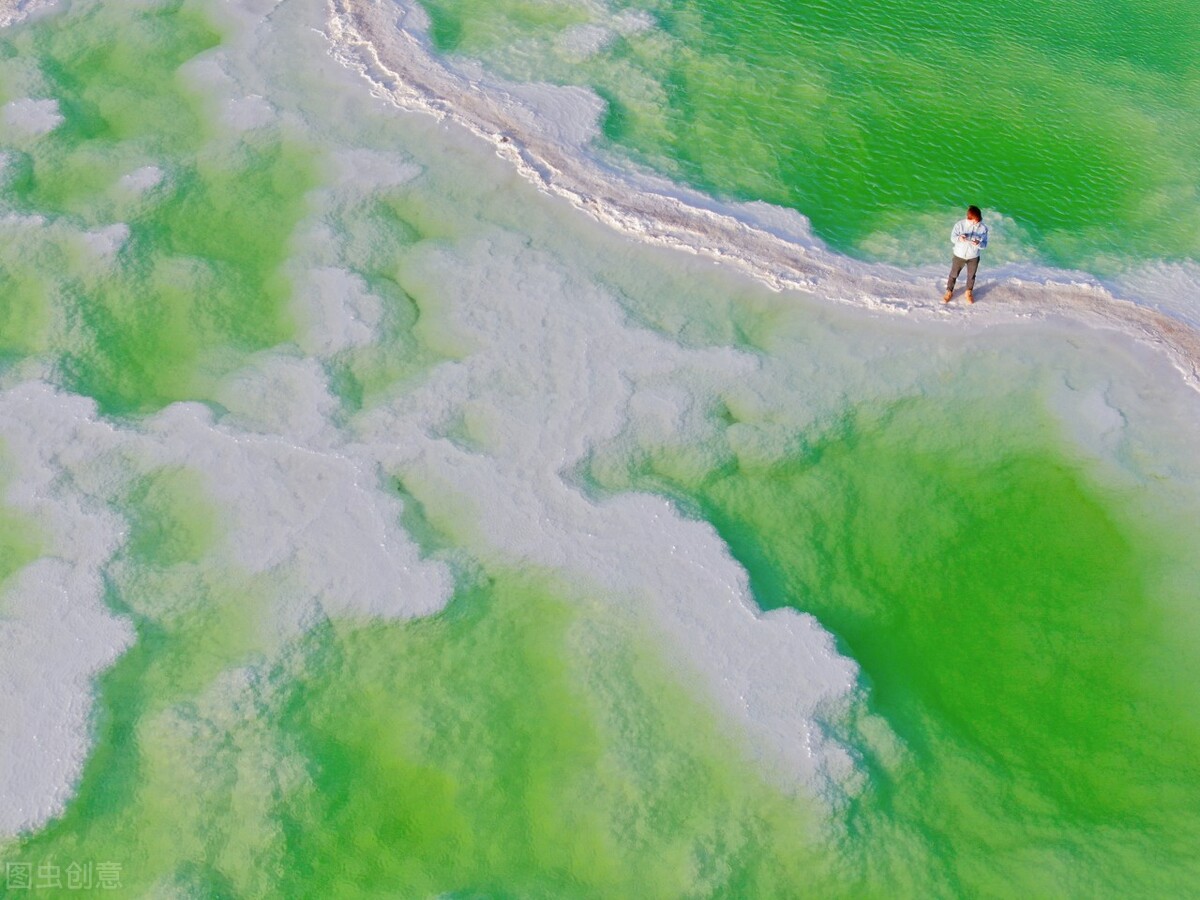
{"x": 1023, "y": 631}
{"x": 881, "y": 121}
{"x": 20, "y": 542}
{"x": 198, "y": 283}
{"x": 517, "y": 744}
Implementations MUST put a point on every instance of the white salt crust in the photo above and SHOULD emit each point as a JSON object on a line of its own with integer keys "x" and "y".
{"x": 31, "y": 117}
{"x": 139, "y": 181}
{"x": 106, "y": 242}
{"x": 13, "y": 12}
{"x": 310, "y": 516}
{"x": 55, "y": 629}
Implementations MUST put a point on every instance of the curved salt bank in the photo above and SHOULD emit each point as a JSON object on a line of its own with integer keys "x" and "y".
{"x": 544, "y": 131}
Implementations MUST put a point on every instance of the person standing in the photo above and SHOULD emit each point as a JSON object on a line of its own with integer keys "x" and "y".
{"x": 968, "y": 239}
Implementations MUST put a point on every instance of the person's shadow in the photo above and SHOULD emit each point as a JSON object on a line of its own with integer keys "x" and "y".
{"x": 983, "y": 290}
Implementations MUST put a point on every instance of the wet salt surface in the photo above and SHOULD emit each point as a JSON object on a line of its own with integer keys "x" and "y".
{"x": 14, "y": 11}
{"x": 34, "y": 117}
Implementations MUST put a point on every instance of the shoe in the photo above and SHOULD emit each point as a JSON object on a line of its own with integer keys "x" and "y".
{"x": 970, "y": 296}
{"x": 946, "y": 296}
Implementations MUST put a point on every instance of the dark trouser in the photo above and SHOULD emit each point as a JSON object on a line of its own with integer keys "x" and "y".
{"x": 957, "y": 266}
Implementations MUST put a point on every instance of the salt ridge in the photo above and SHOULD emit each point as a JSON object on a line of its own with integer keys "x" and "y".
{"x": 535, "y": 129}
{"x": 15, "y": 11}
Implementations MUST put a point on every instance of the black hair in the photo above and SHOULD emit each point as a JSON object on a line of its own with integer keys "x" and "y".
{"x": 973, "y": 212}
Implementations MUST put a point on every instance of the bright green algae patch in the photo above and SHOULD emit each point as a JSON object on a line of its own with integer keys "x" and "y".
{"x": 170, "y": 519}
{"x": 20, "y": 542}
{"x": 881, "y": 120}
{"x": 537, "y": 752}
{"x": 1014, "y": 626}
{"x": 198, "y": 282}
{"x": 517, "y": 744}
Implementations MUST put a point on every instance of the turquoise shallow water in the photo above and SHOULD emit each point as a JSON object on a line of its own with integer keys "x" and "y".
{"x": 1074, "y": 123}
{"x": 1014, "y": 572}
